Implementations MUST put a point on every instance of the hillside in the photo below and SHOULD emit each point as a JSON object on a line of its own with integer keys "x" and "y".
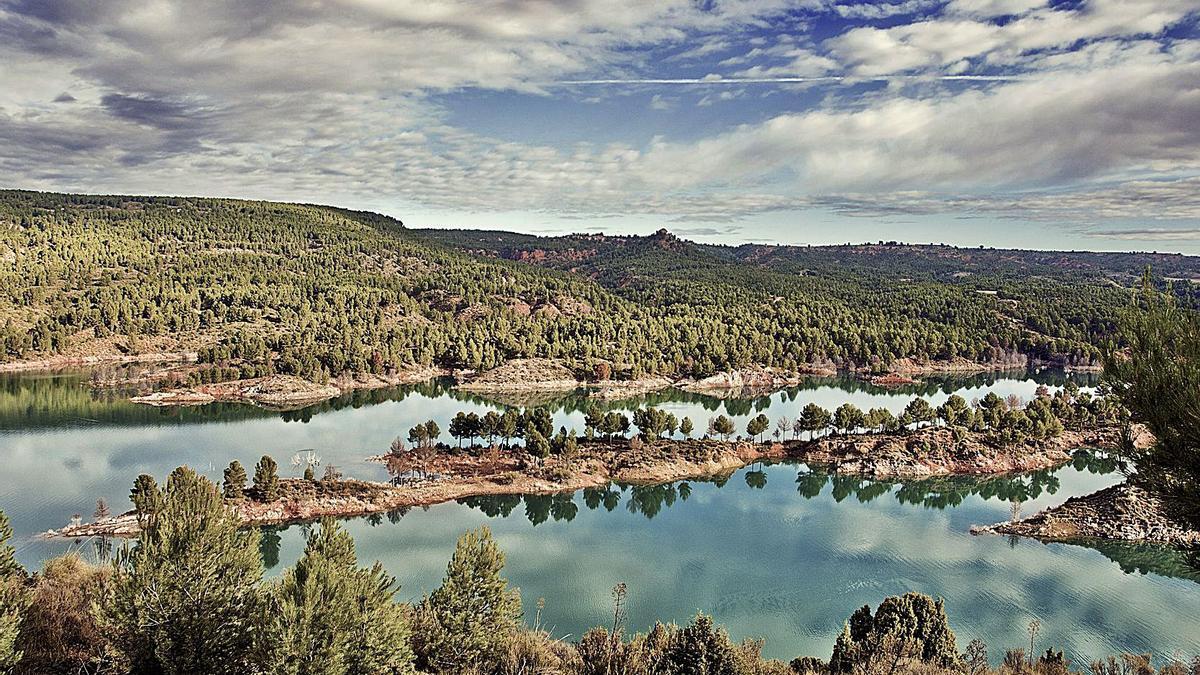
{"x": 258, "y": 287}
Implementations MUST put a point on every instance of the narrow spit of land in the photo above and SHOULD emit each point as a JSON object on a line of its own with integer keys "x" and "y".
{"x": 926, "y": 452}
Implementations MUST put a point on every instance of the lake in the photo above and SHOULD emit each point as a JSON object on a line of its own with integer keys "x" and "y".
{"x": 777, "y": 552}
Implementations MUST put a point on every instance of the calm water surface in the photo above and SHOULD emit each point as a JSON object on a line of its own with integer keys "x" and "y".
{"x": 775, "y": 551}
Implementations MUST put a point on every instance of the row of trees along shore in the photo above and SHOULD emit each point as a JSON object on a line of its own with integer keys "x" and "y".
{"x": 1007, "y": 421}
{"x": 189, "y": 597}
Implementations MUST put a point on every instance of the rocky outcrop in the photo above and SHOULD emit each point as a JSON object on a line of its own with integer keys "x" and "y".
{"x": 934, "y": 451}
{"x": 524, "y": 375}
{"x": 1122, "y": 512}
{"x": 274, "y": 391}
{"x": 746, "y": 379}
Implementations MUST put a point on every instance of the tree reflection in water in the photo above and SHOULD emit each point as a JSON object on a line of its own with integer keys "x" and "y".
{"x": 938, "y": 493}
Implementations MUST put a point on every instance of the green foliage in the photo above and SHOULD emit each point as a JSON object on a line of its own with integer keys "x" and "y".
{"x": 334, "y": 618}
{"x": 685, "y": 427}
{"x": 758, "y": 425}
{"x": 234, "y": 485}
{"x": 186, "y": 597}
{"x": 723, "y": 426}
{"x": 814, "y": 418}
{"x": 699, "y": 648}
{"x": 918, "y": 411}
{"x": 465, "y": 622}
{"x": 146, "y": 497}
{"x": 537, "y": 445}
{"x": 848, "y": 417}
{"x": 702, "y": 647}
{"x": 266, "y": 479}
{"x": 259, "y": 287}
{"x": 1158, "y": 380}
{"x": 653, "y": 422}
{"x": 954, "y": 410}
{"x": 13, "y": 598}
{"x": 9, "y": 567}
{"x": 905, "y": 630}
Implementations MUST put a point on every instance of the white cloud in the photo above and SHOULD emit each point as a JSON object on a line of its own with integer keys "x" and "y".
{"x": 939, "y": 42}
{"x": 334, "y": 102}
{"x": 992, "y": 8}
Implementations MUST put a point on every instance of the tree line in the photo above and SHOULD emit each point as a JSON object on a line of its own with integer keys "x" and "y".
{"x": 1005, "y": 421}
{"x": 259, "y": 288}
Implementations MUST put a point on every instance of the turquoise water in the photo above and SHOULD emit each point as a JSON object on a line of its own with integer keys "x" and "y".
{"x": 774, "y": 551}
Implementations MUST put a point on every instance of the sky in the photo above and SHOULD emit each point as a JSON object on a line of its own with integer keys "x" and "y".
{"x": 1015, "y": 123}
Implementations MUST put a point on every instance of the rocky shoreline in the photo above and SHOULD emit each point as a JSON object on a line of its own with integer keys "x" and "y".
{"x": 1123, "y": 512}
{"x": 924, "y": 453}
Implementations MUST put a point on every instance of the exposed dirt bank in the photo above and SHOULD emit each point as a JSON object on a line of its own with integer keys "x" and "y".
{"x": 929, "y": 452}
{"x": 1122, "y": 512}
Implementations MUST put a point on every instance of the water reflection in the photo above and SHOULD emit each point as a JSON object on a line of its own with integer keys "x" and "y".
{"x": 942, "y": 492}
{"x": 783, "y": 552}
{"x": 67, "y": 399}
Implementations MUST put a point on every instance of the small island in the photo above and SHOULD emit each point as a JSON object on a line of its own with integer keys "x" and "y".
{"x": 521, "y": 453}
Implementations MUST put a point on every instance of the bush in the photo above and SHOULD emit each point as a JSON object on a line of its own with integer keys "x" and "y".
{"x": 907, "y": 629}
{"x": 60, "y": 633}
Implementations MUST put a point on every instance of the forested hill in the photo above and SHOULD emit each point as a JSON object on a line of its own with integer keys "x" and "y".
{"x": 266, "y": 287}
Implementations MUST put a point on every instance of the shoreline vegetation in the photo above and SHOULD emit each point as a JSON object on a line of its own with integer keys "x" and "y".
{"x": 994, "y": 437}
{"x": 190, "y": 596}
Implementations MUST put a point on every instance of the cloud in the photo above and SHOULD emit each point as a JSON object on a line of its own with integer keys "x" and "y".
{"x": 1149, "y": 234}
{"x": 949, "y": 39}
{"x": 1071, "y": 115}
{"x": 872, "y": 10}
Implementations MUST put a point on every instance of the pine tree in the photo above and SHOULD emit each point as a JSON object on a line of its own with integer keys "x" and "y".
{"x": 464, "y": 623}
{"x": 146, "y": 497}
{"x": 537, "y": 445}
{"x": 266, "y": 479}
{"x": 702, "y": 647}
{"x": 723, "y": 426}
{"x": 814, "y": 418}
{"x": 235, "y": 481}
{"x": 758, "y": 425}
{"x": 186, "y": 597}
{"x": 13, "y": 598}
{"x": 904, "y": 629}
{"x": 8, "y": 556}
{"x": 334, "y": 618}
{"x": 685, "y": 427}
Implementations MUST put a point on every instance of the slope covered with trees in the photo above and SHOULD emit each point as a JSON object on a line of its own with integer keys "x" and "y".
{"x": 259, "y": 287}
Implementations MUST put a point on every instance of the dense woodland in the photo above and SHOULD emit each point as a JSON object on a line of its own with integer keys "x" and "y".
{"x": 258, "y": 287}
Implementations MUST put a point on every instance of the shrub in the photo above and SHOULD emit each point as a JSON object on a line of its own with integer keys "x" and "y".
{"x": 59, "y": 633}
